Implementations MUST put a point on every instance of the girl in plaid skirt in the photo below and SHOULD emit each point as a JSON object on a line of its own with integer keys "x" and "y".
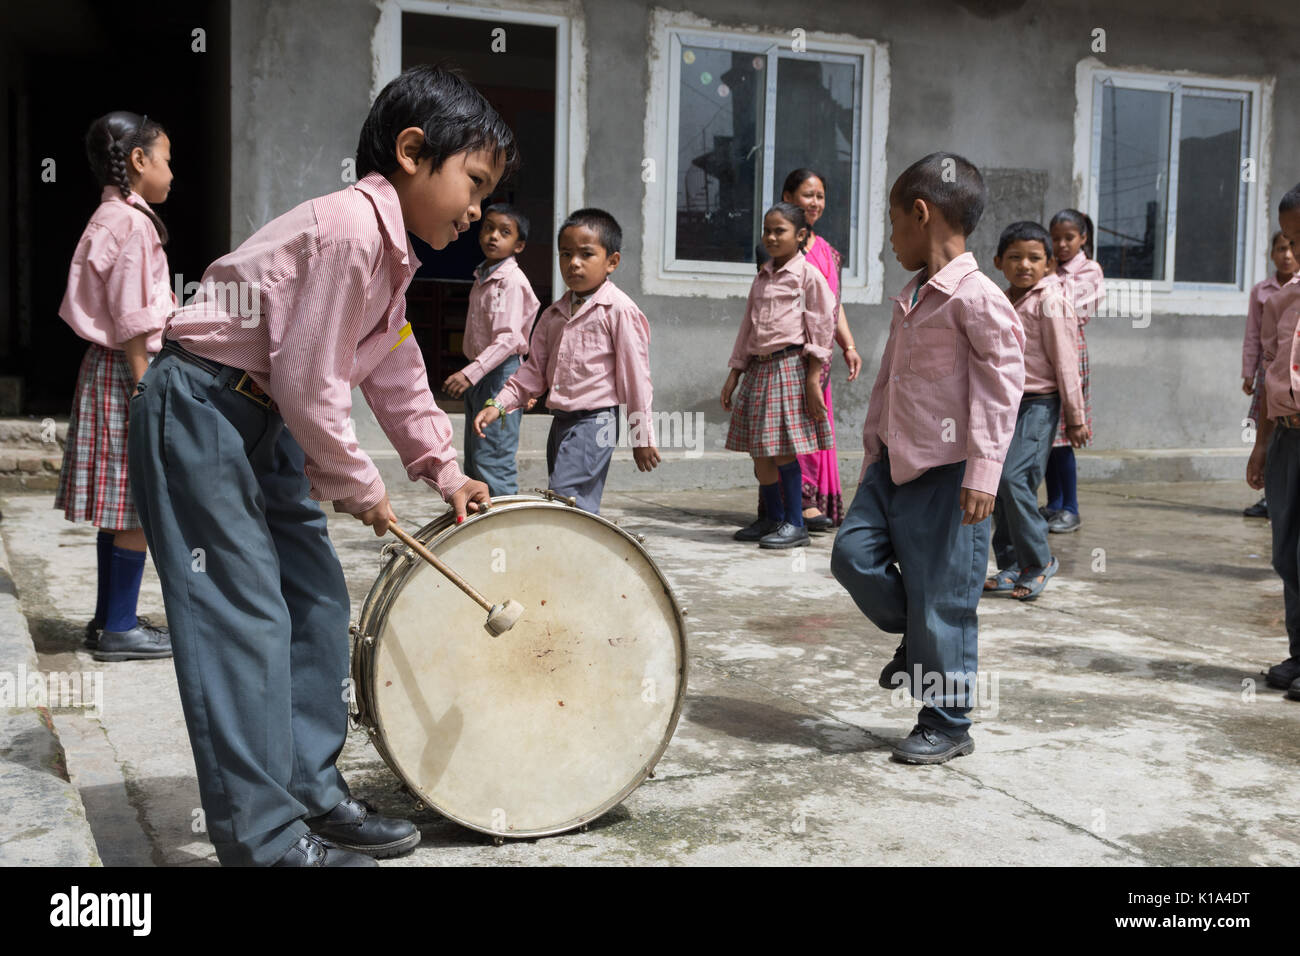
{"x": 779, "y": 412}
{"x": 1082, "y": 277}
{"x": 118, "y": 297}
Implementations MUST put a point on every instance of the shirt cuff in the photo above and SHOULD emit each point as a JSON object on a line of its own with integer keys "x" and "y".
{"x": 474, "y": 372}
{"x": 982, "y": 474}
{"x": 135, "y": 323}
{"x": 448, "y": 480}
{"x": 817, "y": 352}
{"x": 363, "y": 501}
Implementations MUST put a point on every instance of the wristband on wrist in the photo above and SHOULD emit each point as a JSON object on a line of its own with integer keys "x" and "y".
{"x": 493, "y": 403}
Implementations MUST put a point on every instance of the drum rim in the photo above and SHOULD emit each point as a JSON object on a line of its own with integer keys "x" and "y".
{"x": 385, "y": 590}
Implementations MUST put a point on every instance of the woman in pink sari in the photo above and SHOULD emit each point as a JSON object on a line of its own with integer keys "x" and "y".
{"x": 823, "y": 508}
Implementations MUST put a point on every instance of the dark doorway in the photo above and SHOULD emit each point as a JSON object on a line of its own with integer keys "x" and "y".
{"x": 520, "y": 85}
{"x": 65, "y": 63}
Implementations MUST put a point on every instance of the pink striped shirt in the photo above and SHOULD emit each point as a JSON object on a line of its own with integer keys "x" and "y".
{"x": 118, "y": 284}
{"x": 1250, "y": 350}
{"x": 792, "y": 305}
{"x": 950, "y": 378}
{"x": 313, "y": 305}
{"x": 1085, "y": 285}
{"x": 596, "y": 357}
{"x": 1279, "y": 340}
{"x": 502, "y": 309}
{"x": 1052, "y": 346}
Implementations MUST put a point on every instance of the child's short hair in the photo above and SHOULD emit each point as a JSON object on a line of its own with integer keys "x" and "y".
{"x": 513, "y": 214}
{"x": 1025, "y": 231}
{"x": 1291, "y": 200}
{"x": 454, "y": 116}
{"x": 1273, "y": 241}
{"x": 950, "y": 183}
{"x": 109, "y": 143}
{"x": 794, "y": 214}
{"x": 1080, "y": 221}
{"x": 604, "y": 225}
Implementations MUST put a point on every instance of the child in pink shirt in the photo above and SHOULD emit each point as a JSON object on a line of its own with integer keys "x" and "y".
{"x": 1052, "y": 390}
{"x": 591, "y": 354}
{"x": 118, "y": 298}
{"x": 1252, "y": 359}
{"x": 783, "y": 341}
{"x": 913, "y": 549}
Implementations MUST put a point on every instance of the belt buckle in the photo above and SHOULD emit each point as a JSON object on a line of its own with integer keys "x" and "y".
{"x": 250, "y": 389}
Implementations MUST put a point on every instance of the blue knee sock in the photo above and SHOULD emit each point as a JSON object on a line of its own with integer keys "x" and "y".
{"x": 124, "y": 589}
{"x": 792, "y": 486}
{"x": 1069, "y": 481}
{"x": 771, "y": 495}
{"x": 1053, "y": 476}
{"x": 104, "y": 551}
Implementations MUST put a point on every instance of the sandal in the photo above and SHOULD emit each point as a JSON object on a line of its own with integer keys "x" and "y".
{"x": 1036, "y": 579}
{"x": 1004, "y": 580}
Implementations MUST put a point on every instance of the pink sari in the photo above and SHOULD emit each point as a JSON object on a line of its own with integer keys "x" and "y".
{"x": 821, "y": 470}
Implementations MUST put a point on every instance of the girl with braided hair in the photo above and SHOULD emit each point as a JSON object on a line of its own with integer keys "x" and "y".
{"x": 118, "y": 297}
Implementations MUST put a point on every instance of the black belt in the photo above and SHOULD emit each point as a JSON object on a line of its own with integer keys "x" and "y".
{"x": 238, "y": 380}
{"x": 768, "y": 356}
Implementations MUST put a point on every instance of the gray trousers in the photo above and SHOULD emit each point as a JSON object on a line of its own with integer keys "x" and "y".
{"x": 1019, "y": 528}
{"x": 256, "y": 603}
{"x": 578, "y": 452}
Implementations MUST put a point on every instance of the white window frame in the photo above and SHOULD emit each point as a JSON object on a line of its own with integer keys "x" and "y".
{"x": 661, "y": 272}
{"x": 1168, "y": 296}
{"x": 570, "y": 79}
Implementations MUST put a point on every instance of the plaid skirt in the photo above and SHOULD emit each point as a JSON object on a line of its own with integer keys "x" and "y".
{"x": 1253, "y": 414}
{"x": 93, "y": 484}
{"x": 1061, "y": 439}
{"x": 769, "y": 414}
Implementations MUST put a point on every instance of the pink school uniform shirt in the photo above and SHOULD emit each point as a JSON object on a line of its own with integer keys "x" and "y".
{"x": 792, "y": 305}
{"x": 1052, "y": 346}
{"x": 1250, "y": 350}
{"x": 329, "y": 313}
{"x": 502, "y": 309}
{"x": 596, "y": 357}
{"x": 1279, "y": 340}
{"x": 1085, "y": 285}
{"x": 118, "y": 283}
{"x": 954, "y": 366}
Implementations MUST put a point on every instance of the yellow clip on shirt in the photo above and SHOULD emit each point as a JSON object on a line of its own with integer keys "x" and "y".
{"x": 402, "y": 336}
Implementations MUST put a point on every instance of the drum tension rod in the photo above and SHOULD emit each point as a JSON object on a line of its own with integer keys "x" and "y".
{"x": 550, "y": 495}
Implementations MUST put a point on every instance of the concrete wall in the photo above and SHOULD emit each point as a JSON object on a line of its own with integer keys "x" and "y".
{"x": 301, "y": 75}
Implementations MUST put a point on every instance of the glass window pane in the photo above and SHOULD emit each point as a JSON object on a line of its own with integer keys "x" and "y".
{"x": 719, "y": 152}
{"x": 1209, "y": 189}
{"x": 815, "y": 105}
{"x": 1133, "y": 193}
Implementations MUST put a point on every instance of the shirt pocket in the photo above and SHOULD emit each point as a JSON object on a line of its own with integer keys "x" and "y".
{"x": 933, "y": 355}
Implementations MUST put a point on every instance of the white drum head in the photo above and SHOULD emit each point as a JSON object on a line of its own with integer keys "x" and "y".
{"x": 545, "y": 727}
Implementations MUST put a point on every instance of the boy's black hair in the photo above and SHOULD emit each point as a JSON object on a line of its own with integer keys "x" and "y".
{"x": 794, "y": 214}
{"x": 797, "y": 177}
{"x": 1273, "y": 241}
{"x": 604, "y": 225}
{"x": 1080, "y": 221}
{"x": 950, "y": 183}
{"x": 454, "y": 116}
{"x": 1025, "y": 231}
{"x": 1291, "y": 200}
{"x": 109, "y": 144}
{"x": 513, "y": 214}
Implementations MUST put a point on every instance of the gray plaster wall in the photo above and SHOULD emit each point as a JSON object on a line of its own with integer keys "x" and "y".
{"x": 993, "y": 81}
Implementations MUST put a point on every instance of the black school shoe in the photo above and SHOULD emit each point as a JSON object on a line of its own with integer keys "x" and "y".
{"x": 1282, "y": 676}
{"x": 929, "y": 746}
{"x": 786, "y": 535}
{"x": 756, "y": 530}
{"x": 896, "y": 666}
{"x": 91, "y": 640}
{"x": 1063, "y": 522}
{"x": 354, "y": 825}
{"x": 1258, "y": 510}
{"x": 144, "y": 642}
{"x": 818, "y": 523}
{"x": 311, "y": 850}
{"x": 1293, "y": 693}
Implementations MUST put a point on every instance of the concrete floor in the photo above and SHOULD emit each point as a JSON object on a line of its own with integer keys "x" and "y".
{"x": 1130, "y": 726}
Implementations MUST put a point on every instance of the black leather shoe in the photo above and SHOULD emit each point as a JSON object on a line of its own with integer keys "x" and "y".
{"x": 354, "y": 825}
{"x": 1293, "y": 693}
{"x": 1064, "y": 522}
{"x": 142, "y": 643}
{"x": 756, "y": 529}
{"x": 1258, "y": 510}
{"x": 786, "y": 535}
{"x": 929, "y": 746}
{"x": 896, "y": 666}
{"x": 818, "y": 523}
{"x": 1282, "y": 676}
{"x": 93, "y": 628}
{"x": 311, "y": 850}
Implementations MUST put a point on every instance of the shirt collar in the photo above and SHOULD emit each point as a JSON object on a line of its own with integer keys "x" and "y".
{"x": 793, "y": 262}
{"x": 496, "y": 270}
{"x": 602, "y": 295}
{"x": 1076, "y": 262}
{"x": 945, "y": 280}
{"x": 113, "y": 194}
{"x": 383, "y": 196}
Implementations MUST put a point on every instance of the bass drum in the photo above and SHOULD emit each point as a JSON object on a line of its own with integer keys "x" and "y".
{"x": 543, "y": 728}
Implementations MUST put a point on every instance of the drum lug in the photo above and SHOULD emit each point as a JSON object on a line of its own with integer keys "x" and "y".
{"x": 392, "y": 548}
{"x": 550, "y": 495}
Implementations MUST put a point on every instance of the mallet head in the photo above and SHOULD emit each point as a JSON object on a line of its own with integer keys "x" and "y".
{"x": 503, "y": 617}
